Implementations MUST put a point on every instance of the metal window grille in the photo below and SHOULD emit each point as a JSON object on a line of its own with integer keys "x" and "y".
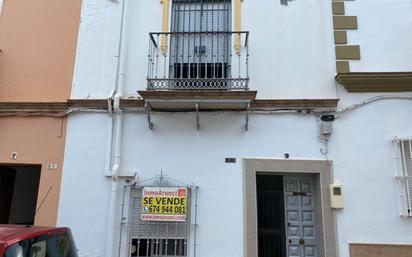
{"x": 201, "y": 51}
{"x": 207, "y": 18}
{"x": 200, "y": 54}
{"x": 159, "y": 238}
{"x": 404, "y": 156}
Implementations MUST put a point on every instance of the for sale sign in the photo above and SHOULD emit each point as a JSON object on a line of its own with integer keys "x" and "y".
{"x": 164, "y": 203}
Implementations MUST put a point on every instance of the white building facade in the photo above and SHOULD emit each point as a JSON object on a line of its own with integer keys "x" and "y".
{"x": 287, "y": 122}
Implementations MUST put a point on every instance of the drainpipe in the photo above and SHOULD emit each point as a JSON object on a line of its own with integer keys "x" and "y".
{"x": 117, "y": 136}
{"x": 115, "y": 174}
{"x": 109, "y": 138}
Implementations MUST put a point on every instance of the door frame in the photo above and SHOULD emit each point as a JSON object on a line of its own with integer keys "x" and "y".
{"x": 325, "y": 216}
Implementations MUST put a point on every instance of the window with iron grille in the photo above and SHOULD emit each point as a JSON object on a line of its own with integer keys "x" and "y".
{"x": 197, "y": 53}
{"x": 157, "y": 238}
{"x": 200, "y": 40}
{"x": 404, "y": 158}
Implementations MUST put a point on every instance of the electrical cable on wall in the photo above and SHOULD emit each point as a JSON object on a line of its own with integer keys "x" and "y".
{"x": 318, "y": 113}
{"x": 324, "y": 117}
{"x": 371, "y": 100}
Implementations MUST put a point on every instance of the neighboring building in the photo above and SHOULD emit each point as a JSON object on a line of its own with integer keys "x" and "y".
{"x": 261, "y": 114}
{"x": 38, "y": 46}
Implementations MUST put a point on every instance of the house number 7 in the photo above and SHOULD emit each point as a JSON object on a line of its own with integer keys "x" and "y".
{"x": 14, "y": 156}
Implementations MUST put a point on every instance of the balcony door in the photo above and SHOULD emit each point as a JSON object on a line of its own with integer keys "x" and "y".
{"x": 200, "y": 44}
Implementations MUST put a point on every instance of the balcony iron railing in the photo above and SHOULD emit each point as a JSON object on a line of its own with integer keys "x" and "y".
{"x": 198, "y": 61}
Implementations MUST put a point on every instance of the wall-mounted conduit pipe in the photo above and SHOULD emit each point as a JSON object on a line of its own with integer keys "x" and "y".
{"x": 117, "y": 134}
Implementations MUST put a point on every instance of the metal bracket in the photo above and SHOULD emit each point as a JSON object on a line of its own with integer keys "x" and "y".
{"x": 194, "y": 105}
{"x": 149, "y": 117}
{"x": 247, "y": 117}
{"x": 197, "y": 116}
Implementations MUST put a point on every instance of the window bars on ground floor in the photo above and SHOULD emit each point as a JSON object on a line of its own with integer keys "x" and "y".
{"x": 403, "y": 149}
{"x": 147, "y": 238}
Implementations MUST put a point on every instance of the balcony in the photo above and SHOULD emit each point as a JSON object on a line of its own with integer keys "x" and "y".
{"x": 198, "y": 61}
{"x": 198, "y": 71}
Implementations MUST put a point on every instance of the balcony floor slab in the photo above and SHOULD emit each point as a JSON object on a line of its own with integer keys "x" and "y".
{"x": 186, "y": 100}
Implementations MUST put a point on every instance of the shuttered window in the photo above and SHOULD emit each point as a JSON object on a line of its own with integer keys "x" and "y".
{"x": 404, "y": 157}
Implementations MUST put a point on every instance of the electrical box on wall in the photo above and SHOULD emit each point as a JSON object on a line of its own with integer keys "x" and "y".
{"x": 336, "y": 196}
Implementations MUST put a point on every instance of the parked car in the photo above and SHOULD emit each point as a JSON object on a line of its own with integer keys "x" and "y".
{"x": 32, "y": 241}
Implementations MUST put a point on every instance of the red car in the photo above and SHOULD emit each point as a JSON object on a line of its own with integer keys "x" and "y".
{"x": 32, "y": 241}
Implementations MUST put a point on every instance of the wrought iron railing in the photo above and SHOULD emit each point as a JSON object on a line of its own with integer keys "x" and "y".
{"x": 198, "y": 60}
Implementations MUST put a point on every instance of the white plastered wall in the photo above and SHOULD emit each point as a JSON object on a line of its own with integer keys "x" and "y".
{"x": 292, "y": 59}
{"x": 360, "y": 147}
{"x": 301, "y": 34}
{"x": 384, "y": 34}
